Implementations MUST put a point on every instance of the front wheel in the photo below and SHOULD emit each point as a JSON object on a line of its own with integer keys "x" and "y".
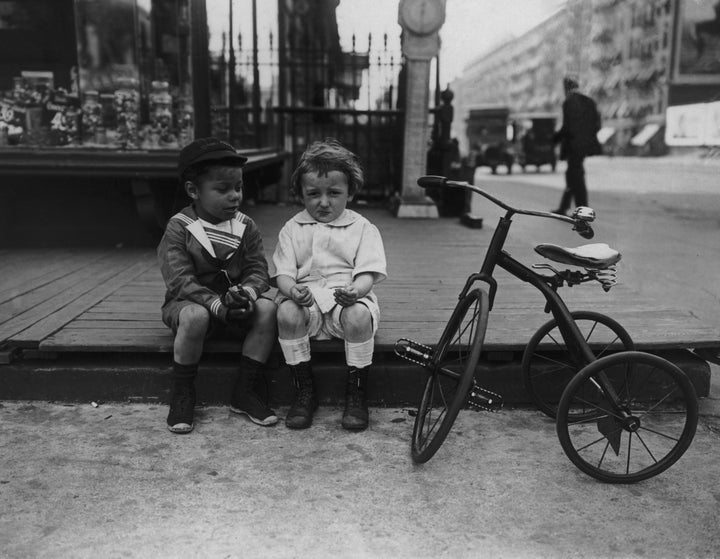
{"x": 547, "y": 365}
{"x": 451, "y": 374}
{"x": 640, "y": 413}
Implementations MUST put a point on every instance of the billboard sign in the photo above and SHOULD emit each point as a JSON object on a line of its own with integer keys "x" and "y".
{"x": 693, "y": 125}
{"x": 697, "y": 42}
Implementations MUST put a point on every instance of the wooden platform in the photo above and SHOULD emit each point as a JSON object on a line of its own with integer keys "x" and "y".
{"x": 84, "y": 300}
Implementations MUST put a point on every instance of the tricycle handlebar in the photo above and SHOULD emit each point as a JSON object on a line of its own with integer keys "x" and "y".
{"x": 580, "y": 220}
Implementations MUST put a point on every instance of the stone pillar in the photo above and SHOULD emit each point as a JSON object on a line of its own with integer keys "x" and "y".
{"x": 421, "y": 21}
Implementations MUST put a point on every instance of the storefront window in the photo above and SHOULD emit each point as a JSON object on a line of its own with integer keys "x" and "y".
{"x": 120, "y": 80}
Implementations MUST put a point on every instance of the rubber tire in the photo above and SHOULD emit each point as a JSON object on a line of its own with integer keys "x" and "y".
{"x": 550, "y": 409}
{"x": 624, "y": 358}
{"x": 422, "y": 447}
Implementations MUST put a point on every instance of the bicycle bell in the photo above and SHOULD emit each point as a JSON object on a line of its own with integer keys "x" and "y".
{"x": 584, "y": 213}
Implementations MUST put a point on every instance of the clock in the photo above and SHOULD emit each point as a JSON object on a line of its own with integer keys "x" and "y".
{"x": 421, "y": 17}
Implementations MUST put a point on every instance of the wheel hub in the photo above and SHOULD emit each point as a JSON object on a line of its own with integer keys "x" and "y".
{"x": 631, "y": 423}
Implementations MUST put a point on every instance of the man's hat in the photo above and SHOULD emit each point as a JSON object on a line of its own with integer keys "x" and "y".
{"x": 208, "y": 149}
{"x": 571, "y": 81}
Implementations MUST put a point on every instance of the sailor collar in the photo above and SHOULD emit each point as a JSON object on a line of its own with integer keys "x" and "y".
{"x": 346, "y": 218}
{"x": 194, "y": 225}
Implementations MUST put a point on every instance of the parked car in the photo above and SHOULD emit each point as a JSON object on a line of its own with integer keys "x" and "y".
{"x": 533, "y": 138}
{"x": 489, "y": 138}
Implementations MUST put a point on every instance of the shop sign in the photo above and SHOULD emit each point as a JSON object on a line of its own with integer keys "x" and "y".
{"x": 693, "y": 125}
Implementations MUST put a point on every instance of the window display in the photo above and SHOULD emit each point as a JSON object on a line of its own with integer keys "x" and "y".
{"x": 121, "y": 79}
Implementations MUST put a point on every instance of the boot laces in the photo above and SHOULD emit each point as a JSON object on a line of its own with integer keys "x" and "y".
{"x": 183, "y": 401}
{"x": 304, "y": 396}
{"x": 355, "y": 394}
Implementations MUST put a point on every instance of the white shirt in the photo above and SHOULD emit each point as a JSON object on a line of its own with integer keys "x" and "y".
{"x": 329, "y": 255}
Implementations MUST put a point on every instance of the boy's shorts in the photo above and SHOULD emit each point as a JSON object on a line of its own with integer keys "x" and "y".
{"x": 326, "y": 326}
{"x": 216, "y": 329}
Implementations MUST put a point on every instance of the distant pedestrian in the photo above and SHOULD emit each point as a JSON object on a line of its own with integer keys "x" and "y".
{"x": 326, "y": 262}
{"x": 213, "y": 263}
{"x": 578, "y": 139}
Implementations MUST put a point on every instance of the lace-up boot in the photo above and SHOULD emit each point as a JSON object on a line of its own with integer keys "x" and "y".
{"x": 301, "y": 412}
{"x": 355, "y": 416}
{"x": 182, "y": 399}
{"x": 245, "y": 399}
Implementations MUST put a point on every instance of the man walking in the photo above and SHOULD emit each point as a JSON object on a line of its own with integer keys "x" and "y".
{"x": 578, "y": 139}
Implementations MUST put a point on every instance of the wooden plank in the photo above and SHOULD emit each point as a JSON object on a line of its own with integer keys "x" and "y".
{"x": 89, "y": 271}
{"x": 147, "y": 340}
{"x": 117, "y": 340}
{"x": 39, "y": 268}
{"x": 128, "y": 307}
{"x": 56, "y": 320}
{"x": 90, "y": 325}
{"x": 91, "y": 315}
{"x": 65, "y": 291}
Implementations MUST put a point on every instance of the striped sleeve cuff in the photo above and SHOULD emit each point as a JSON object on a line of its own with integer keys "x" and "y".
{"x": 216, "y": 307}
{"x": 251, "y": 292}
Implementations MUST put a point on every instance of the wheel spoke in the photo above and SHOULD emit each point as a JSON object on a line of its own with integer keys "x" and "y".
{"x": 593, "y": 443}
{"x": 660, "y": 434}
{"x": 629, "y": 453}
{"x": 646, "y": 448}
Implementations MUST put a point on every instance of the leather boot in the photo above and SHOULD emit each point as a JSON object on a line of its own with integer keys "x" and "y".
{"x": 245, "y": 399}
{"x": 301, "y": 412}
{"x": 355, "y": 416}
{"x": 181, "y": 415}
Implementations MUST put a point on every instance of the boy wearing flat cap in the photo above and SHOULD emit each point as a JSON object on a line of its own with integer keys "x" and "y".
{"x": 213, "y": 263}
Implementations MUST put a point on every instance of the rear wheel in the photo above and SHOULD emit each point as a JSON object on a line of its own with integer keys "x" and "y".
{"x": 637, "y": 432}
{"x": 547, "y": 366}
{"x": 451, "y": 374}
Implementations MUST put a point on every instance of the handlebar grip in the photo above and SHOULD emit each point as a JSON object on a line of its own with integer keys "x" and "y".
{"x": 584, "y": 229}
{"x": 429, "y": 181}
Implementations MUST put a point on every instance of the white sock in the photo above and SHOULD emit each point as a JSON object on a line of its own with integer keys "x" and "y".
{"x": 359, "y": 354}
{"x": 296, "y": 351}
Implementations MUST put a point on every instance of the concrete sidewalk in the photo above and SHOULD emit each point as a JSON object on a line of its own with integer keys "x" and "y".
{"x": 110, "y": 481}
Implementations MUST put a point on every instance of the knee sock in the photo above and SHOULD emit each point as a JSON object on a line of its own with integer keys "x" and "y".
{"x": 296, "y": 351}
{"x": 184, "y": 373}
{"x": 359, "y": 354}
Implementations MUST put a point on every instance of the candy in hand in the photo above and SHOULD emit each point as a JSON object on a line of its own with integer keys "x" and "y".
{"x": 236, "y": 298}
{"x": 240, "y": 314}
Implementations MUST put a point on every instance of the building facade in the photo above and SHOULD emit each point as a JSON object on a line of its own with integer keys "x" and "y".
{"x": 634, "y": 57}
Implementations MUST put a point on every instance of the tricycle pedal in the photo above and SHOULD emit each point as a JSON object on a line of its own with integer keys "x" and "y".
{"x": 484, "y": 399}
{"x": 413, "y": 351}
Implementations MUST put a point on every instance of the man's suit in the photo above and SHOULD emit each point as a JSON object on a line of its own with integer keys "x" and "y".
{"x": 578, "y": 139}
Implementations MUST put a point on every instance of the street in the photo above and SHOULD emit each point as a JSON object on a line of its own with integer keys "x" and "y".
{"x": 109, "y": 481}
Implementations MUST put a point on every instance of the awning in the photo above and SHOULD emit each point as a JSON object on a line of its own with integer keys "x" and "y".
{"x": 604, "y": 134}
{"x": 644, "y": 136}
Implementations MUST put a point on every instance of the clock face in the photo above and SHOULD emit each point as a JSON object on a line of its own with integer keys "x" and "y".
{"x": 421, "y": 17}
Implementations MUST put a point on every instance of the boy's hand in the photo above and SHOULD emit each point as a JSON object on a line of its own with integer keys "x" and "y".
{"x": 302, "y": 295}
{"x": 239, "y": 304}
{"x": 240, "y": 314}
{"x": 236, "y": 298}
{"x": 346, "y": 296}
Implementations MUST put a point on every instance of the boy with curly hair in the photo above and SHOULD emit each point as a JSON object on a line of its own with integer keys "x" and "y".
{"x": 327, "y": 260}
